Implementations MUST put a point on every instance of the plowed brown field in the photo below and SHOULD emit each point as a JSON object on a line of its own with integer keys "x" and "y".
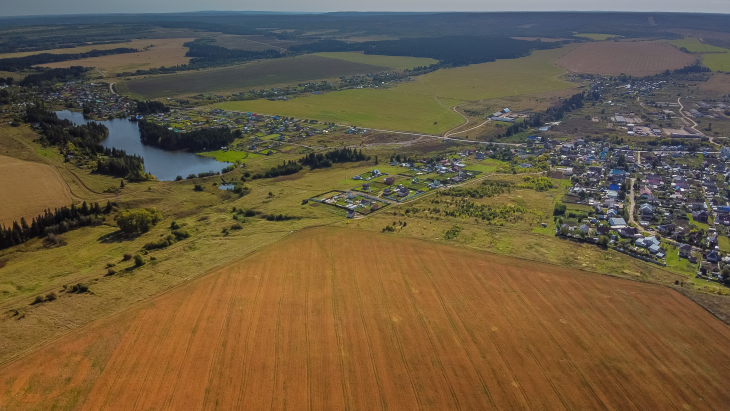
{"x": 28, "y": 188}
{"x": 334, "y": 319}
{"x": 641, "y": 58}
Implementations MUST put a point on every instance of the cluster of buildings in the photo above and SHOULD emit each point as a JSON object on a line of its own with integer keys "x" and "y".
{"x": 96, "y": 100}
{"x": 680, "y": 201}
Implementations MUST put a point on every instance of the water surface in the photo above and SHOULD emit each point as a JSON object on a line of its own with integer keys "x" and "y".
{"x": 165, "y": 165}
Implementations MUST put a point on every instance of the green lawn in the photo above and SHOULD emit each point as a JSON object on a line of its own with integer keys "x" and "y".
{"x": 694, "y": 45}
{"x": 596, "y": 36}
{"x": 697, "y": 223}
{"x": 485, "y": 166}
{"x": 717, "y": 61}
{"x": 396, "y": 62}
{"x": 370, "y": 108}
{"x": 230, "y": 156}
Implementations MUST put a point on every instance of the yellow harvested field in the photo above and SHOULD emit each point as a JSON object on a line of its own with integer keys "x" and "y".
{"x": 338, "y": 319}
{"x": 34, "y": 187}
{"x": 165, "y": 52}
{"x": 135, "y": 44}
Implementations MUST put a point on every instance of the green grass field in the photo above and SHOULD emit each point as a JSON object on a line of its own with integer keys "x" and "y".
{"x": 413, "y": 106}
{"x": 396, "y": 62}
{"x": 384, "y": 109}
{"x": 694, "y": 45}
{"x": 596, "y": 36}
{"x": 527, "y": 75}
{"x": 244, "y": 77}
{"x": 717, "y": 61}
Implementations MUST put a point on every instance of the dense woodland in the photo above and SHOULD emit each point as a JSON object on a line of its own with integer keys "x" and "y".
{"x": 151, "y": 107}
{"x": 450, "y": 51}
{"x": 20, "y": 63}
{"x": 54, "y": 222}
{"x": 345, "y": 155}
{"x": 197, "y": 140}
{"x": 54, "y": 75}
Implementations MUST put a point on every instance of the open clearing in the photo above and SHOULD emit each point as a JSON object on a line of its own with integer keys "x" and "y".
{"x": 693, "y": 45}
{"x": 271, "y": 72}
{"x": 400, "y": 324}
{"x": 166, "y": 52}
{"x": 423, "y": 105}
{"x": 641, "y": 58}
{"x": 29, "y": 188}
{"x": 395, "y": 62}
{"x": 717, "y": 61}
{"x": 383, "y": 109}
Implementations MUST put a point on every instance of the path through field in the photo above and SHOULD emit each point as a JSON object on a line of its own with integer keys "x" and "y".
{"x": 338, "y": 319}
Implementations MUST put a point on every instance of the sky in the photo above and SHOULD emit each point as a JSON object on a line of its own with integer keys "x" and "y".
{"x": 51, "y": 7}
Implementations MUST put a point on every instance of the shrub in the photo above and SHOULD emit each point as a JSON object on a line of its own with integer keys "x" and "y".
{"x": 559, "y": 209}
{"x": 127, "y": 257}
{"x": 110, "y": 265}
{"x": 174, "y": 225}
{"x": 139, "y": 220}
{"x": 603, "y": 241}
{"x": 53, "y": 240}
{"x": 198, "y": 187}
{"x": 180, "y": 234}
{"x": 38, "y": 299}
{"x": 138, "y": 260}
{"x": 179, "y": 178}
{"x": 82, "y": 288}
{"x": 51, "y": 296}
{"x": 249, "y": 213}
{"x": 111, "y": 271}
{"x": 236, "y": 226}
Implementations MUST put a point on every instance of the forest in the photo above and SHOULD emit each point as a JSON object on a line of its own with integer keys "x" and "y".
{"x": 54, "y": 222}
{"x": 19, "y": 63}
{"x": 450, "y": 51}
{"x": 54, "y": 75}
{"x": 197, "y": 140}
{"x": 345, "y": 155}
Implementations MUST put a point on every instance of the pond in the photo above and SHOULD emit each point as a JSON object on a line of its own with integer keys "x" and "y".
{"x": 165, "y": 165}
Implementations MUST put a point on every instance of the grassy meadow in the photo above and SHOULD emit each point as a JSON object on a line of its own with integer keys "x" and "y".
{"x": 383, "y": 109}
{"x": 396, "y": 62}
{"x": 424, "y": 104}
{"x": 245, "y": 77}
{"x": 694, "y": 45}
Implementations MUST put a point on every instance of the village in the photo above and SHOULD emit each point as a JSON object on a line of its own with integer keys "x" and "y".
{"x": 668, "y": 206}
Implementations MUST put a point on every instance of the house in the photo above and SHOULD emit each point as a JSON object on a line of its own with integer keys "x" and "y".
{"x": 629, "y": 232}
{"x": 350, "y": 214}
{"x": 617, "y": 175}
{"x": 646, "y": 211}
{"x": 603, "y": 230}
{"x": 700, "y": 216}
{"x": 366, "y": 186}
{"x": 479, "y": 156}
{"x": 617, "y": 223}
{"x": 389, "y": 180}
{"x": 712, "y": 256}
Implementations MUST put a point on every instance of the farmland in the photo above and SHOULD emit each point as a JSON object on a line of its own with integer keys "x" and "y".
{"x": 29, "y": 189}
{"x": 135, "y": 44}
{"x": 415, "y": 106}
{"x": 280, "y": 71}
{"x": 308, "y": 324}
{"x": 641, "y": 58}
{"x": 165, "y": 52}
{"x": 717, "y": 61}
{"x": 386, "y": 109}
{"x": 693, "y": 45}
{"x": 396, "y": 62}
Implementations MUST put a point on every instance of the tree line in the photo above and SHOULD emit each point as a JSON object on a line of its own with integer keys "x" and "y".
{"x": 6, "y": 81}
{"x": 20, "y": 63}
{"x": 58, "y": 221}
{"x": 54, "y": 75}
{"x": 344, "y": 155}
{"x": 151, "y": 107}
{"x": 196, "y": 140}
{"x": 450, "y": 51}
